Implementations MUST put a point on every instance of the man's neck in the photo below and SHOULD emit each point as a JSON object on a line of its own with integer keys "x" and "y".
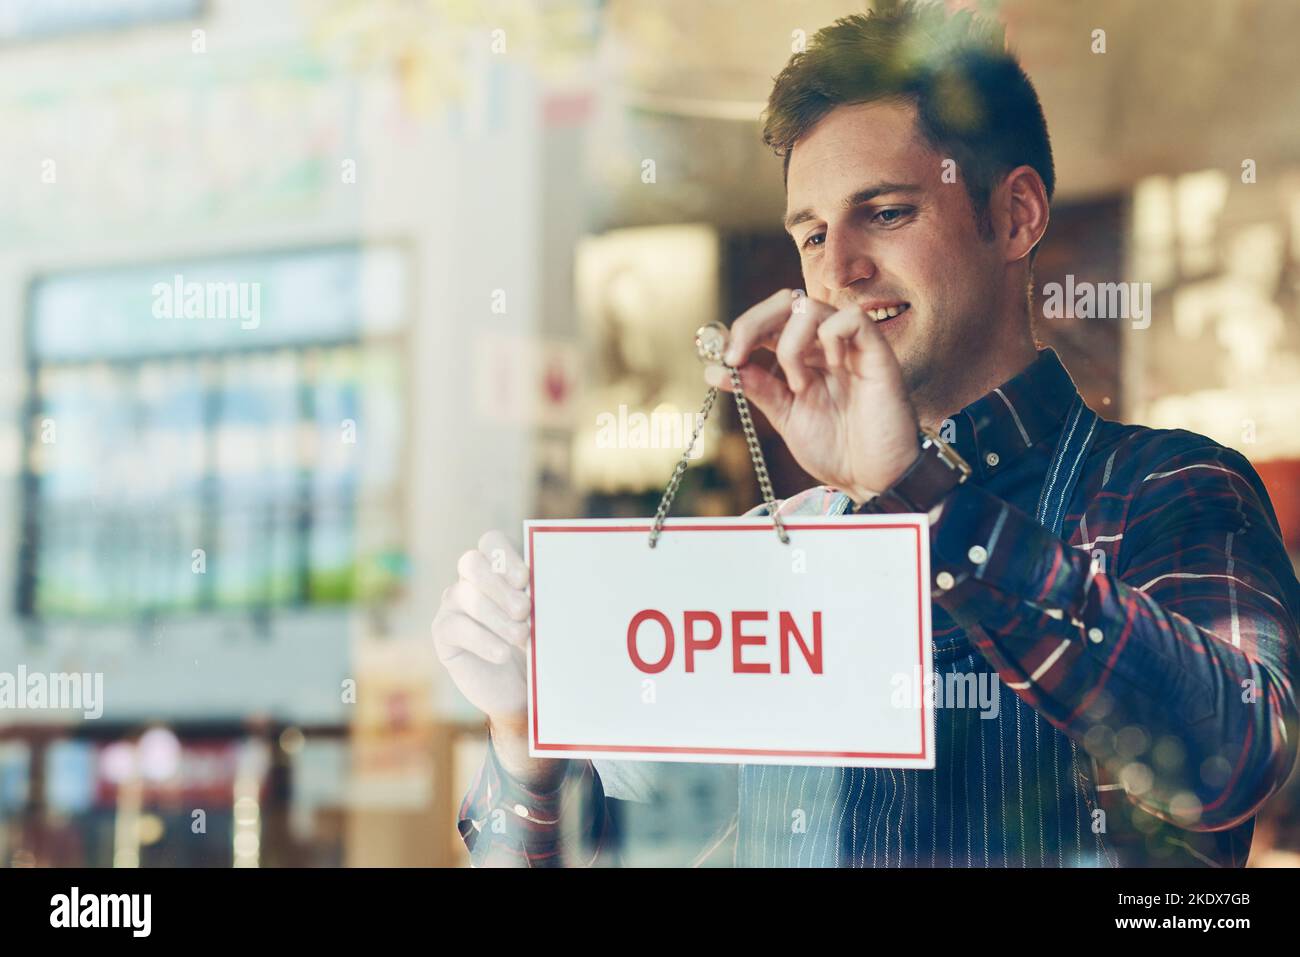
{"x": 953, "y": 395}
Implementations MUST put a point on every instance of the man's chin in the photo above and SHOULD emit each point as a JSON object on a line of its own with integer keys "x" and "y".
{"x": 916, "y": 362}
{"x": 918, "y": 371}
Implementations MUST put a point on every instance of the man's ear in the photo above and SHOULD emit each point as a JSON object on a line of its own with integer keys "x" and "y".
{"x": 1020, "y": 203}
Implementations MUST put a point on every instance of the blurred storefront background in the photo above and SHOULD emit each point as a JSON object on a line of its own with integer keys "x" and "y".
{"x": 298, "y": 299}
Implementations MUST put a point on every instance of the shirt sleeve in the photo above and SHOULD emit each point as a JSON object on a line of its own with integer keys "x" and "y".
{"x": 505, "y": 824}
{"x": 1191, "y": 637}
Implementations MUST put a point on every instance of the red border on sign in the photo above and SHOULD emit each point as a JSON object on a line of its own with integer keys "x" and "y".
{"x": 765, "y": 526}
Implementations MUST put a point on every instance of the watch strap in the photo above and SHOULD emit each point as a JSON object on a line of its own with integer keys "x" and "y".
{"x": 935, "y": 472}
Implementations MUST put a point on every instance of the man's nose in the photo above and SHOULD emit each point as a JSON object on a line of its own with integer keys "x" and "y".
{"x": 847, "y": 260}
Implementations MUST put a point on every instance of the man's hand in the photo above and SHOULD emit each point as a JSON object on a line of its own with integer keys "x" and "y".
{"x": 841, "y": 405}
{"x": 481, "y": 633}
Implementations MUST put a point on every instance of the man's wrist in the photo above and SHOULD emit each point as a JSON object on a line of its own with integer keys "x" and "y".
{"x": 509, "y": 742}
{"x": 928, "y": 480}
{"x": 861, "y": 496}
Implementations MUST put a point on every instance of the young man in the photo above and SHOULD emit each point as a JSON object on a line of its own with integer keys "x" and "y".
{"x": 1126, "y": 590}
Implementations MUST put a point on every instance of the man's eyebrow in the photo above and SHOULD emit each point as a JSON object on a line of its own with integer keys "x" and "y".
{"x": 856, "y": 199}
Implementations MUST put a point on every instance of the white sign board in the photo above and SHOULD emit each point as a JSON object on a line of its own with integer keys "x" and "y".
{"x": 723, "y": 645}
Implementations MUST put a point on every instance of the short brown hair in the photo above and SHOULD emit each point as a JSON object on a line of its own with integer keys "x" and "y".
{"x": 974, "y": 103}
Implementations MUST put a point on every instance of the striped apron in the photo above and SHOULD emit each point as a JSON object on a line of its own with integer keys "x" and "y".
{"x": 1006, "y": 791}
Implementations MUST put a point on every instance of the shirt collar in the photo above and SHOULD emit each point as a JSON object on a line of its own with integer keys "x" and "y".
{"x": 997, "y": 429}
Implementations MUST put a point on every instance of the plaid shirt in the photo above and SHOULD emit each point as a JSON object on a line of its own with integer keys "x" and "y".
{"x": 1146, "y": 663}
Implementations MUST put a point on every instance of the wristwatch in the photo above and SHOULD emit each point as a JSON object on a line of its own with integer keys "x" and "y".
{"x": 937, "y": 470}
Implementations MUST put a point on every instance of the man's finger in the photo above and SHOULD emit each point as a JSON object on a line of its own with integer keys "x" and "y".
{"x": 799, "y": 334}
{"x": 764, "y": 389}
{"x": 756, "y": 325}
{"x": 470, "y": 601}
{"x": 459, "y": 634}
{"x": 833, "y": 333}
{"x": 850, "y": 338}
{"x": 814, "y": 356}
{"x": 503, "y": 558}
{"x": 475, "y": 568}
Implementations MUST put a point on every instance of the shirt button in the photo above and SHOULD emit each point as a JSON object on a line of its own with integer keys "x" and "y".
{"x": 521, "y": 810}
{"x": 992, "y": 459}
{"x": 944, "y": 580}
{"x": 977, "y": 554}
{"x": 1095, "y": 636}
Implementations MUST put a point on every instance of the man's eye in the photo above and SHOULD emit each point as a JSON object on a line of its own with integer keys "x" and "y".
{"x": 809, "y": 241}
{"x": 890, "y": 216}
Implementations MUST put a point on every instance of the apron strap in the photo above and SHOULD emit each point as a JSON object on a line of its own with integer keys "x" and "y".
{"x": 1058, "y": 488}
{"x": 1067, "y": 464}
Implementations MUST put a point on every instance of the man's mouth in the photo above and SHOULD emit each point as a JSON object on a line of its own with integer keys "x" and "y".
{"x": 885, "y": 313}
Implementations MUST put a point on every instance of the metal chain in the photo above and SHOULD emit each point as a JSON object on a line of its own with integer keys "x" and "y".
{"x": 755, "y": 453}
{"x": 666, "y": 502}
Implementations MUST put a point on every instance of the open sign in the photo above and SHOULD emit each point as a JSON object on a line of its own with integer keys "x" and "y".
{"x": 724, "y": 645}
{"x": 694, "y": 644}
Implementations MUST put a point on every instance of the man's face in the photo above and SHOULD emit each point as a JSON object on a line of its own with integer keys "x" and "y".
{"x": 876, "y": 225}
